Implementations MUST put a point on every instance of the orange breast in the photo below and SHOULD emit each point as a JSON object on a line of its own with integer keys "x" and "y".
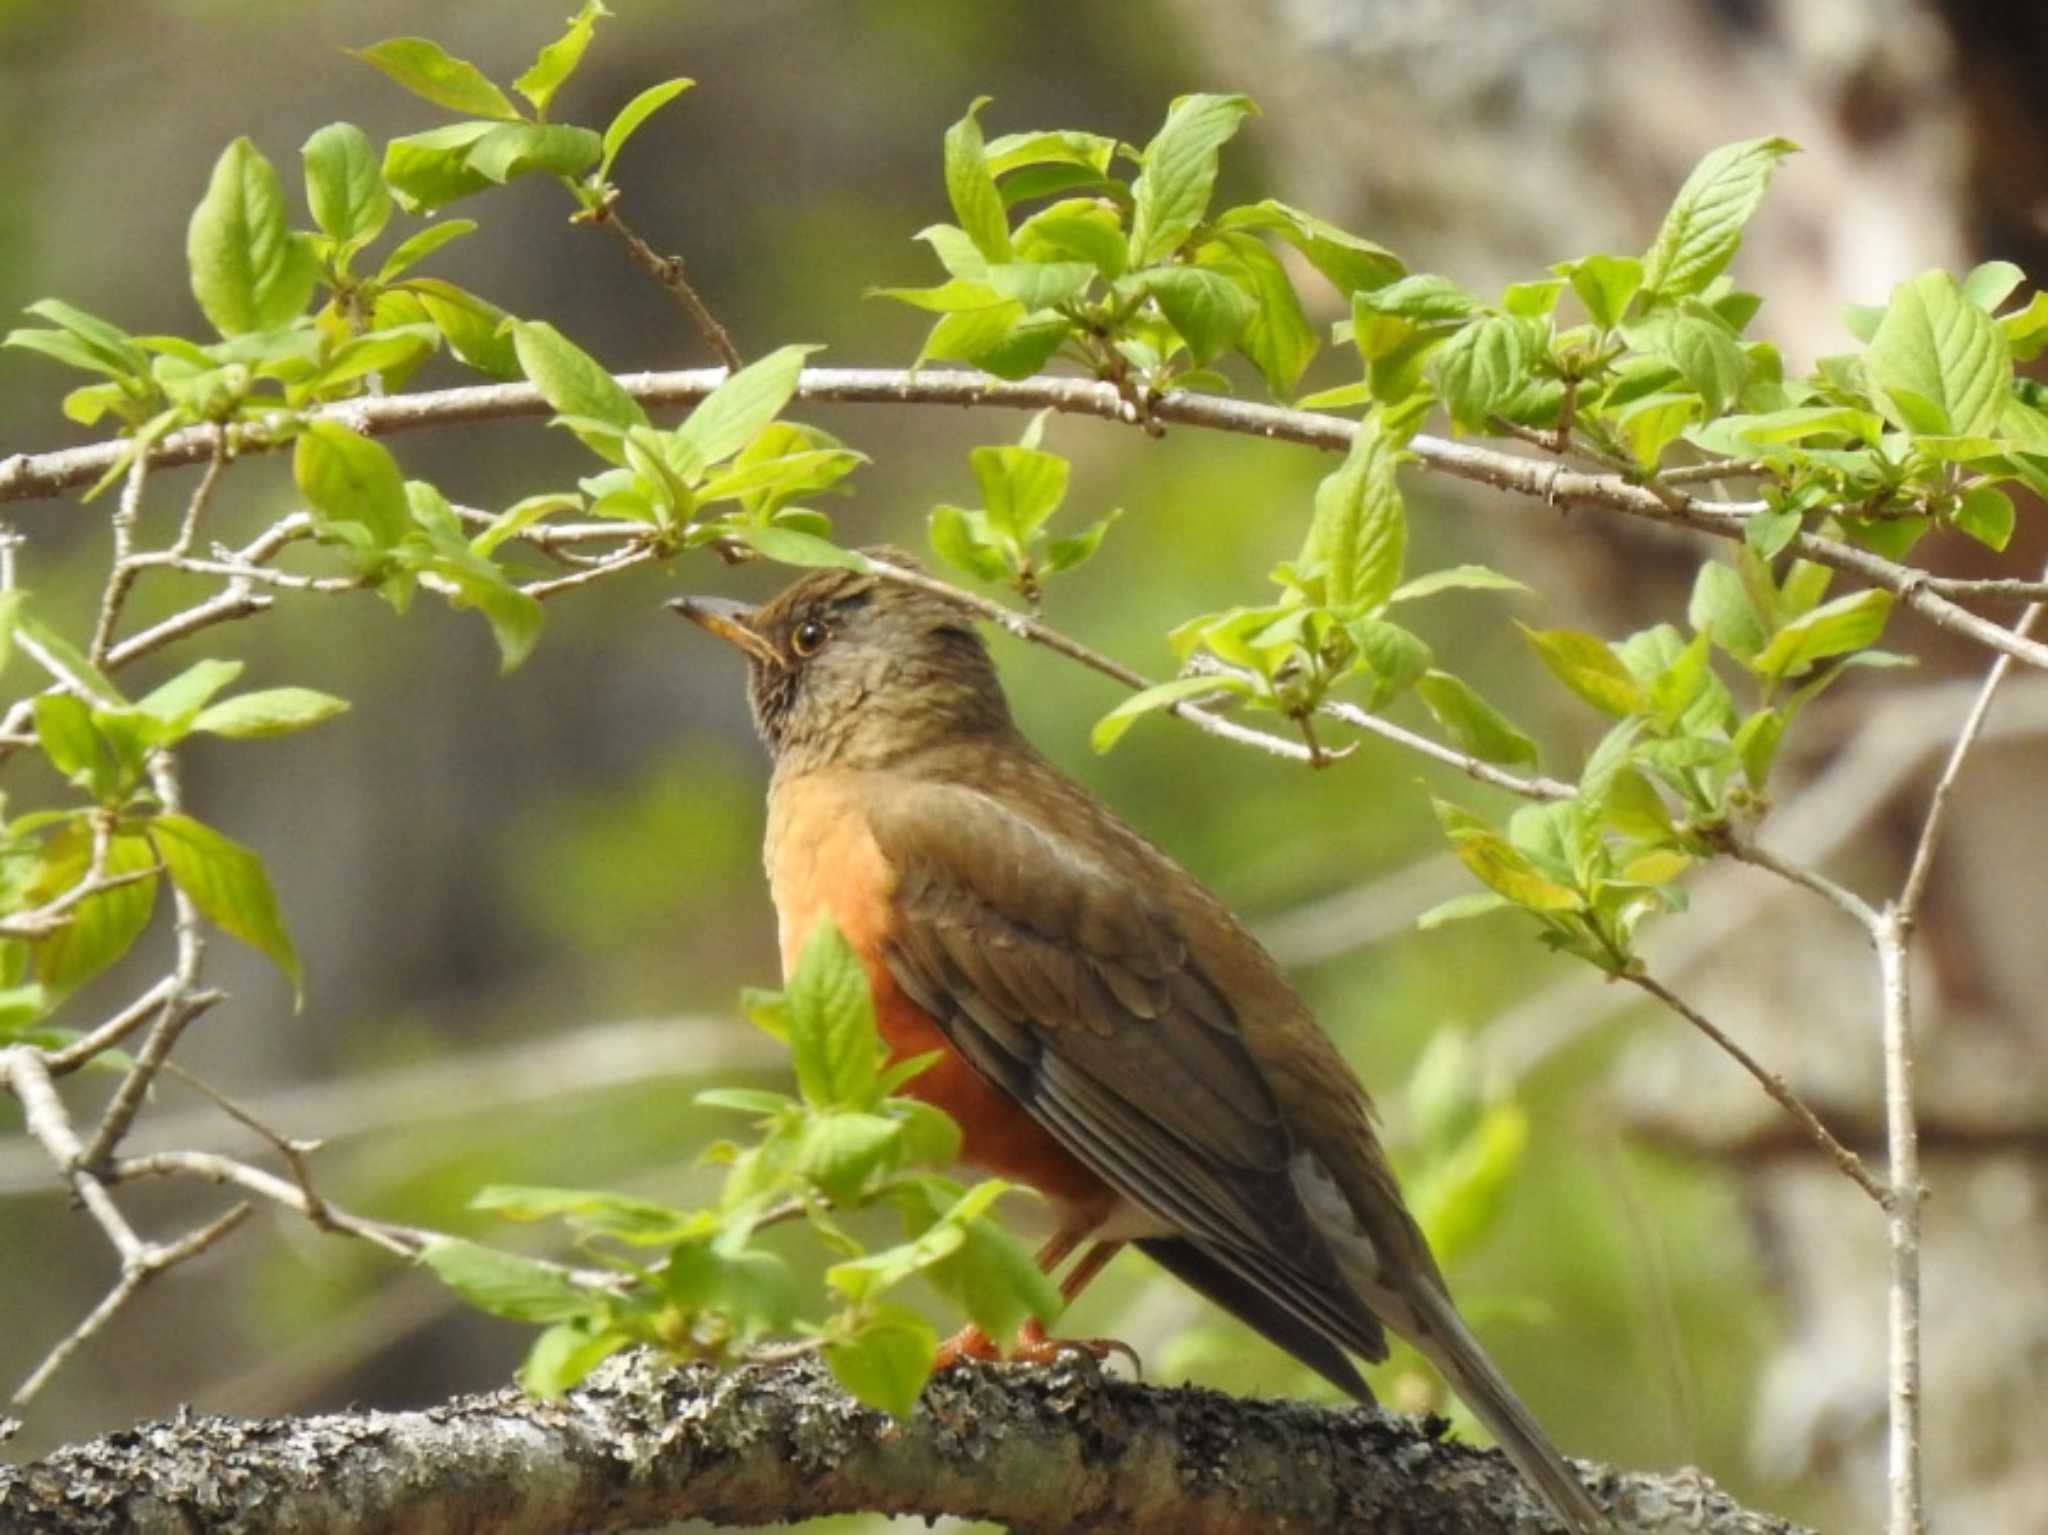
{"x": 822, "y": 860}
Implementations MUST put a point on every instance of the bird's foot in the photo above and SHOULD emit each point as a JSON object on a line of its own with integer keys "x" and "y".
{"x": 1032, "y": 1347}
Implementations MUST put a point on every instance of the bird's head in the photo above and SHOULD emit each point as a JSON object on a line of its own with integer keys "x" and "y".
{"x": 849, "y": 668}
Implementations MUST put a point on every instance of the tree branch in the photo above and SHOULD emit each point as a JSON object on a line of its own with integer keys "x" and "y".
{"x": 26, "y": 476}
{"x": 640, "y": 1446}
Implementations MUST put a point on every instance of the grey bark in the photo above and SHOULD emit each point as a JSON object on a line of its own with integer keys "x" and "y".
{"x": 640, "y": 1445}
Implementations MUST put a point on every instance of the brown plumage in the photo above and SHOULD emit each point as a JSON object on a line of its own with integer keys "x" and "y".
{"x": 1110, "y": 1034}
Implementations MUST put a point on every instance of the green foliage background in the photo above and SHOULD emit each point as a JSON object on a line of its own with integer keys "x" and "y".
{"x": 474, "y": 865}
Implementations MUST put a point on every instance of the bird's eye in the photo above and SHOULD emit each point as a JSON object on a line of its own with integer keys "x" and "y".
{"x": 808, "y": 637}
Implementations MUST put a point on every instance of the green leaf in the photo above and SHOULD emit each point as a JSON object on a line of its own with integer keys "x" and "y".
{"x": 102, "y": 926}
{"x": 1585, "y": 664}
{"x": 832, "y": 1022}
{"x": 571, "y": 380}
{"x": 412, "y": 251}
{"x": 838, "y": 1151}
{"x": 1020, "y": 488}
{"x": 72, "y": 666}
{"x": 505, "y": 1284}
{"x": 1653, "y": 423}
{"x": 1349, "y": 263}
{"x": 737, "y": 411}
{"x": 1756, "y": 745}
{"x": 1700, "y": 234}
{"x": 1458, "y": 908}
{"x": 1991, "y": 284}
{"x": 1721, "y": 606}
{"x": 562, "y": 1355}
{"x": 1038, "y": 284}
{"x": 1606, "y": 285}
{"x": 971, "y": 187}
{"x": 426, "y": 170}
{"x": 512, "y": 150}
{"x": 1205, "y": 308}
{"x": 1424, "y": 298}
{"x": 1939, "y": 363}
{"x": 558, "y": 60}
{"x": 1985, "y": 513}
{"x": 2026, "y": 330}
{"x": 1454, "y": 578}
{"x": 1474, "y": 724}
{"x": 72, "y": 741}
{"x": 1161, "y": 695}
{"x": 227, "y": 883}
{"x": 250, "y": 272}
{"x": 1481, "y": 367}
{"x": 632, "y": 115}
{"x": 1276, "y": 336}
{"x": 1179, "y": 171}
{"x": 473, "y": 327}
{"x": 423, "y": 68}
{"x": 268, "y": 712}
{"x": 1076, "y": 548}
{"x": 343, "y": 185}
{"x": 1501, "y": 867}
{"x": 1358, "y": 537}
{"x": 1397, "y": 657}
{"x": 885, "y": 1361}
{"x": 1076, "y": 230}
{"x": 352, "y": 485}
{"x": 1705, "y": 353}
{"x": 1832, "y": 629}
{"x": 177, "y": 703}
{"x": 110, "y": 349}
{"x": 992, "y": 1277}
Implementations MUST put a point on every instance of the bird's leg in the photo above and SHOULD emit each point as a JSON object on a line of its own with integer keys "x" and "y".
{"x": 1033, "y": 1346}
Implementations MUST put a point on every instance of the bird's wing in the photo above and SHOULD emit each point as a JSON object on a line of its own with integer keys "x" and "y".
{"x": 1071, "y": 987}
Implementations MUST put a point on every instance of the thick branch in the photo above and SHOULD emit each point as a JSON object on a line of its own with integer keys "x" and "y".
{"x": 1059, "y": 1449}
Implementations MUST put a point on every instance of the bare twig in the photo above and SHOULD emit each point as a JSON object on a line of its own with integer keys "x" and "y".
{"x": 135, "y": 1273}
{"x": 294, "y": 1152}
{"x": 1908, "y": 903}
{"x": 1839, "y": 896}
{"x": 121, "y": 574}
{"x": 668, "y": 271}
{"x": 1773, "y": 1084}
{"x": 1902, "y": 1137}
{"x": 1532, "y": 787}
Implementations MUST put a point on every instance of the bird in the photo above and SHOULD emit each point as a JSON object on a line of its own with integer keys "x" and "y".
{"x": 1107, "y": 1032}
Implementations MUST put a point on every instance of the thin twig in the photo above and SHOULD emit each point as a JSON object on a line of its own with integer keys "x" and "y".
{"x": 1907, "y": 906}
{"x": 121, "y": 574}
{"x": 667, "y": 271}
{"x": 135, "y": 1273}
{"x": 1534, "y": 786}
{"x": 1902, "y": 1137}
{"x": 1773, "y": 1084}
{"x": 294, "y": 1152}
{"x": 1841, "y": 897}
{"x": 183, "y": 1003}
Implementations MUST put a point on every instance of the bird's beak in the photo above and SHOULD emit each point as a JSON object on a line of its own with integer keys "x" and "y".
{"x": 732, "y": 622}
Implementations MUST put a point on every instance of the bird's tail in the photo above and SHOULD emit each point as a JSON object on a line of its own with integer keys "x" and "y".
{"x": 1441, "y": 1334}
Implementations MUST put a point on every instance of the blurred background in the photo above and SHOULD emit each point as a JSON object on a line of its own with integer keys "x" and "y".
{"x": 526, "y": 904}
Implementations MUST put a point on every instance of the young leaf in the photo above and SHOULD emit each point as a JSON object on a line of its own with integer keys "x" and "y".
{"x": 1020, "y": 488}
{"x": 1585, "y": 664}
{"x": 1606, "y": 285}
{"x": 250, "y": 272}
{"x": 411, "y": 251}
{"x": 109, "y": 349}
{"x": 1172, "y": 191}
{"x": 1207, "y": 309}
{"x": 1985, "y": 513}
{"x": 1700, "y": 234}
{"x": 423, "y": 68}
{"x": 426, "y": 170}
{"x": 510, "y": 150}
{"x": 1721, "y": 606}
{"x": 558, "y": 60}
{"x": 632, "y": 115}
{"x": 268, "y": 712}
{"x": 72, "y": 741}
{"x": 1474, "y": 724}
{"x": 505, "y": 1284}
{"x": 1938, "y": 361}
{"x": 1275, "y": 336}
{"x": 886, "y": 1359}
{"x": 571, "y": 380}
{"x": 1832, "y": 629}
{"x": 343, "y": 187}
{"x": 1161, "y": 695}
{"x": 737, "y": 411}
{"x": 1359, "y": 534}
{"x": 352, "y": 484}
{"x": 102, "y": 926}
{"x": 832, "y": 1022}
{"x": 1455, "y": 578}
{"x": 1458, "y": 908}
{"x": 1481, "y": 367}
{"x": 971, "y": 187}
{"x": 227, "y": 883}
